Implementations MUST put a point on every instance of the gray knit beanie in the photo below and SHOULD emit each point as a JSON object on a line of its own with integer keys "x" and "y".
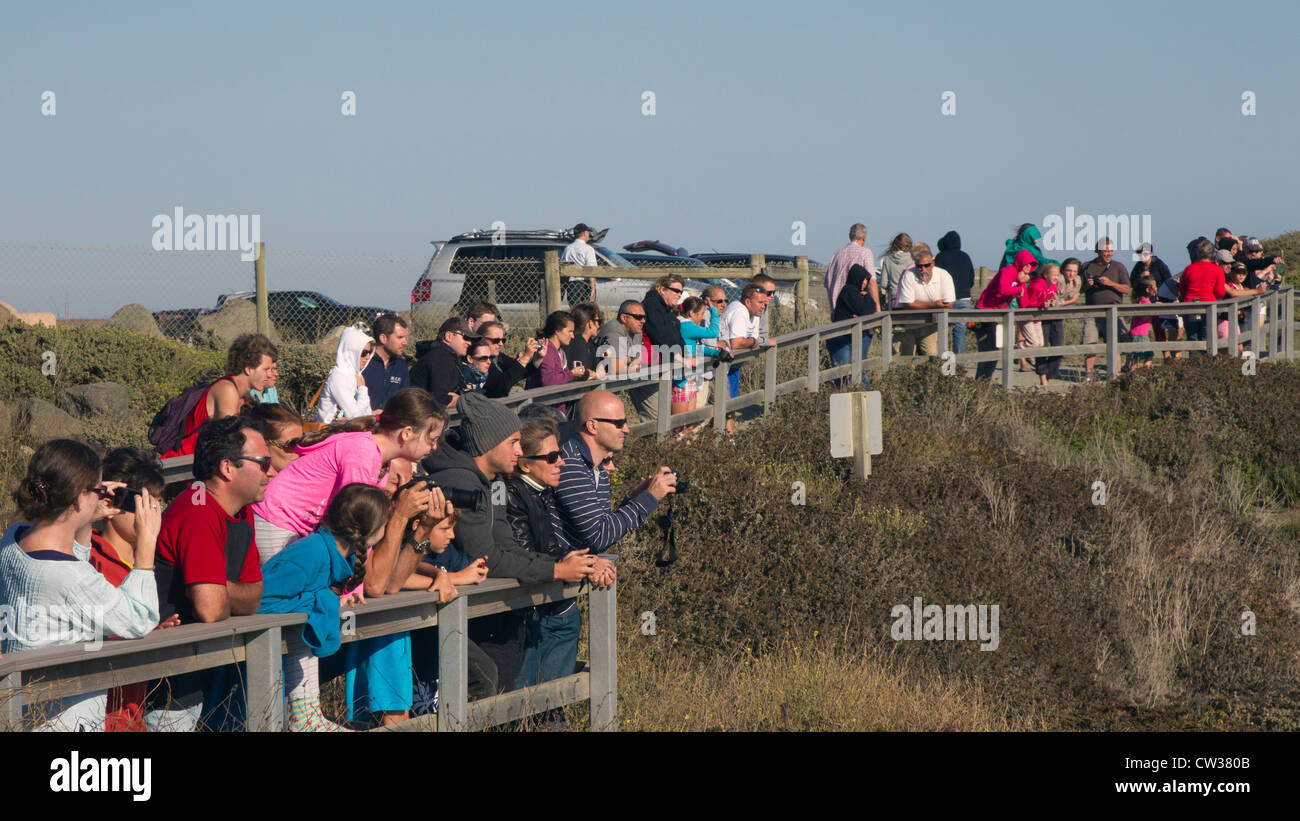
{"x": 485, "y": 423}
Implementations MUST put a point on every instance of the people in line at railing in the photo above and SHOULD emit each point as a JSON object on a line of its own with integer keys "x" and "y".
{"x": 923, "y": 287}
{"x": 892, "y": 265}
{"x": 855, "y": 253}
{"x": 1067, "y": 284}
{"x": 308, "y": 577}
{"x": 624, "y": 355}
{"x": 1039, "y": 292}
{"x": 345, "y": 395}
{"x": 1008, "y": 284}
{"x": 354, "y": 450}
{"x": 268, "y": 395}
{"x": 856, "y": 298}
{"x": 661, "y": 333}
{"x": 1201, "y": 281}
{"x": 1105, "y": 283}
{"x": 476, "y": 367}
{"x": 438, "y": 368}
{"x": 506, "y": 371}
{"x": 1149, "y": 264}
{"x": 208, "y": 568}
{"x": 587, "y": 321}
{"x": 553, "y": 367}
{"x": 483, "y": 448}
{"x": 957, "y": 263}
{"x": 386, "y": 373}
{"x": 479, "y": 313}
{"x": 112, "y": 553}
{"x": 1238, "y": 284}
{"x": 1144, "y": 293}
{"x": 1259, "y": 266}
{"x": 742, "y": 328}
{"x": 716, "y": 298}
{"x": 445, "y": 566}
{"x": 1170, "y": 324}
{"x": 699, "y": 321}
{"x": 283, "y": 430}
{"x": 249, "y": 362}
{"x": 552, "y": 629}
{"x": 51, "y": 593}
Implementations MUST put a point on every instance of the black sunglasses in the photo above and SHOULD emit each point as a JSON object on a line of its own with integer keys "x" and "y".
{"x": 551, "y": 458}
{"x": 618, "y": 423}
{"x": 288, "y": 444}
{"x": 482, "y": 358}
{"x": 639, "y": 317}
{"x": 769, "y": 293}
{"x": 674, "y": 290}
{"x": 264, "y": 462}
{"x": 492, "y": 341}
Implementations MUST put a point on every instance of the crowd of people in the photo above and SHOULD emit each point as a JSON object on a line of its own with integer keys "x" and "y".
{"x": 374, "y": 495}
{"x": 910, "y": 278}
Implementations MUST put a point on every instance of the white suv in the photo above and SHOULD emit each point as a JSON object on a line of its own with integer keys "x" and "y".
{"x": 508, "y": 266}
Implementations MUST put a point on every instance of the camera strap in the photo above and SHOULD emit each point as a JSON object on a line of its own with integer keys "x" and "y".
{"x": 668, "y": 554}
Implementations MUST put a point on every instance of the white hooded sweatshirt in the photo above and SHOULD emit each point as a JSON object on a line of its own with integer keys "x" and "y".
{"x": 343, "y": 397}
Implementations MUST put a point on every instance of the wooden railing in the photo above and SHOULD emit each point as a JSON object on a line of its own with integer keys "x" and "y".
{"x": 35, "y": 676}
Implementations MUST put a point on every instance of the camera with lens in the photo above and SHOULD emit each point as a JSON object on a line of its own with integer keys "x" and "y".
{"x": 682, "y": 484}
{"x": 723, "y": 355}
{"x": 460, "y": 499}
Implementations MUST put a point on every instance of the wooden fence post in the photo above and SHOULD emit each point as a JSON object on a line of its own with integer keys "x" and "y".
{"x": 551, "y": 283}
{"x": 1112, "y": 342}
{"x": 943, "y": 334}
{"x": 1212, "y": 330}
{"x": 264, "y": 696}
{"x": 886, "y": 342}
{"x": 1008, "y": 346}
{"x": 859, "y": 352}
{"x": 721, "y": 393}
{"x": 769, "y": 380}
{"x": 664, "y": 399}
{"x": 814, "y": 363}
{"x": 757, "y": 262}
{"x": 801, "y": 292}
{"x": 603, "y": 652}
{"x": 453, "y": 665}
{"x": 259, "y": 284}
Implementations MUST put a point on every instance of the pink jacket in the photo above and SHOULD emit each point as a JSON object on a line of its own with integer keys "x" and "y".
{"x": 297, "y": 497}
{"x": 1037, "y": 293}
{"x": 1005, "y": 286}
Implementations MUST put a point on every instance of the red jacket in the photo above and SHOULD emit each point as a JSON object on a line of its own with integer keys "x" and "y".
{"x": 1202, "y": 282}
{"x": 1006, "y": 285}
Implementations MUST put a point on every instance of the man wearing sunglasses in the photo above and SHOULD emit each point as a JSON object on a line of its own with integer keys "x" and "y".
{"x": 923, "y": 287}
{"x": 207, "y": 565}
{"x": 621, "y": 354}
{"x": 438, "y": 371}
{"x": 505, "y": 371}
{"x": 582, "y": 515}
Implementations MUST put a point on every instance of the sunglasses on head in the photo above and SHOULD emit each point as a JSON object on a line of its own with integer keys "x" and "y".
{"x": 264, "y": 462}
{"x": 550, "y": 458}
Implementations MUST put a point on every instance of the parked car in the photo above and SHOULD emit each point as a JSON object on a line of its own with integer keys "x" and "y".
{"x": 647, "y": 245}
{"x": 306, "y": 316}
{"x": 179, "y": 323}
{"x": 506, "y": 268}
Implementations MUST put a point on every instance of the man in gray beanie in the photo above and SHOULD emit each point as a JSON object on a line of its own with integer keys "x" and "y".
{"x": 472, "y": 456}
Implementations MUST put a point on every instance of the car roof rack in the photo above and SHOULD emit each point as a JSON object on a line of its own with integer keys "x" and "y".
{"x": 488, "y": 233}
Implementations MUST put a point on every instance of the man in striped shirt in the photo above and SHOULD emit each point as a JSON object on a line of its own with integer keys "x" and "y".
{"x": 582, "y": 514}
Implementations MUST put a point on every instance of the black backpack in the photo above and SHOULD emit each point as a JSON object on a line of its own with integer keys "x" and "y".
{"x": 167, "y": 429}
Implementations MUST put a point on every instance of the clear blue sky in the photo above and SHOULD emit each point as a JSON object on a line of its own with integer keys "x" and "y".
{"x": 531, "y": 114}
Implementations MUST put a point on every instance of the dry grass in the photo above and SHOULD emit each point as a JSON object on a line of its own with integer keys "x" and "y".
{"x": 800, "y": 688}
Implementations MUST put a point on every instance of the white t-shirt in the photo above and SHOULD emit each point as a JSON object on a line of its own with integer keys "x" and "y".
{"x": 912, "y": 289}
{"x": 738, "y": 324}
{"x": 578, "y": 253}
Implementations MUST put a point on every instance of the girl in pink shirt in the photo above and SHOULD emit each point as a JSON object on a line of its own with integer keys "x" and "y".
{"x": 1038, "y": 293}
{"x": 1140, "y": 329}
{"x": 355, "y": 450}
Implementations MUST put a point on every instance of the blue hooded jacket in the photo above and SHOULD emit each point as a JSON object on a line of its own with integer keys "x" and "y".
{"x": 298, "y": 579}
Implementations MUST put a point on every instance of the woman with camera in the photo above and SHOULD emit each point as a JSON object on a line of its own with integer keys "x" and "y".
{"x": 55, "y": 595}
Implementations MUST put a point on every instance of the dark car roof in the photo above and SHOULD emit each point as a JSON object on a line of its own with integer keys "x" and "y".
{"x": 715, "y": 257}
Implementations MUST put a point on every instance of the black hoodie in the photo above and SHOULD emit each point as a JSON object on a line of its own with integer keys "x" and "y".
{"x": 437, "y": 371}
{"x": 957, "y": 263}
{"x": 484, "y": 532}
{"x": 851, "y": 301}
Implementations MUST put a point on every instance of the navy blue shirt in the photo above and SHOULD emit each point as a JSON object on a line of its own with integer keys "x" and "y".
{"x": 384, "y": 381}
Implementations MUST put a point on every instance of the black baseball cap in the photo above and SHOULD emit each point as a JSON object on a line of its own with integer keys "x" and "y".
{"x": 457, "y": 325}
{"x": 580, "y": 227}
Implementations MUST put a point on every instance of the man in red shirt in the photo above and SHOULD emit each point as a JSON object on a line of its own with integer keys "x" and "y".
{"x": 249, "y": 363}
{"x": 1202, "y": 281}
{"x": 207, "y": 565}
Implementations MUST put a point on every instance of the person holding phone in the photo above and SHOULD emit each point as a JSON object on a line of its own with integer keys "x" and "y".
{"x": 554, "y": 367}
{"x": 1105, "y": 283}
